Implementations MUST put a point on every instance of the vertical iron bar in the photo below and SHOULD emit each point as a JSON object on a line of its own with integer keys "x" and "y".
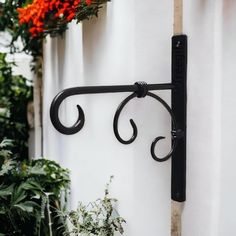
{"x": 179, "y": 101}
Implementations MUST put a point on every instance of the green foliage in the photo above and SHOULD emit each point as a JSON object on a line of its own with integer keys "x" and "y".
{"x": 86, "y": 12}
{"x": 97, "y": 218}
{"x": 15, "y": 93}
{"x": 9, "y": 22}
{"x": 30, "y": 193}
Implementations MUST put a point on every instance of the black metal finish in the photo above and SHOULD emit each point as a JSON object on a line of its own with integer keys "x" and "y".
{"x": 179, "y": 100}
{"x": 143, "y": 93}
{"x": 140, "y": 90}
{"x": 92, "y": 90}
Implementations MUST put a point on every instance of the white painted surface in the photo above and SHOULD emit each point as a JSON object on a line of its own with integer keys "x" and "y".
{"x": 118, "y": 48}
{"x": 210, "y": 206}
{"x": 227, "y": 219}
{"x": 131, "y": 42}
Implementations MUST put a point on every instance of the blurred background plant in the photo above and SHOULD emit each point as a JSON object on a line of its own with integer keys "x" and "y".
{"x": 15, "y": 93}
{"x": 30, "y": 193}
{"x": 97, "y": 218}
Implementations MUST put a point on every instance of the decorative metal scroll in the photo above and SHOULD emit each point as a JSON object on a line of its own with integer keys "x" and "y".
{"x": 178, "y": 113}
{"x": 139, "y": 89}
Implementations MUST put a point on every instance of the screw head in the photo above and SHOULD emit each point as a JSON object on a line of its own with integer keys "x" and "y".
{"x": 178, "y": 44}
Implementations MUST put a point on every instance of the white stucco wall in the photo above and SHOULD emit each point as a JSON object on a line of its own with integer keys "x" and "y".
{"x": 210, "y": 207}
{"x": 130, "y": 41}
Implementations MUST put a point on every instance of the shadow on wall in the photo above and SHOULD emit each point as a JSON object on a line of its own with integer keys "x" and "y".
{"x": 94, "y": 43}
{"x": 57, "y": 60}
{"x": 61, "y": 51}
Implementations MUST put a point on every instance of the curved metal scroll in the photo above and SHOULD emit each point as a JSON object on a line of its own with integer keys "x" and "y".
{"x": 139, "y": 89}
{"x": 116, "y": 118}
{"x": 175, "y": 133}
{"x": 78, "y": 125}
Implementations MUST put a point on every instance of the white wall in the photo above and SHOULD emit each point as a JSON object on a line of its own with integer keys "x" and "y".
{"x": 210, "y": 205}
{"x": 130, "y": 42}
{"x": 113, "y": 50}
{"x": 228, "y": 177}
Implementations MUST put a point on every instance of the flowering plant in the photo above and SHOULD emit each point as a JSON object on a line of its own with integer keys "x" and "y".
{"x": 32, "y": 20}
{"x": 51, "y": 16}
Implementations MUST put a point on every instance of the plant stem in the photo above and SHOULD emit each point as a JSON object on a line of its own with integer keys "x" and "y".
{"x": 49, "y": 216}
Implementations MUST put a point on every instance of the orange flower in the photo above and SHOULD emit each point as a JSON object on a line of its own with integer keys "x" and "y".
{"x": 70, "y": 17}
{"x": 37, "y": 13}
{"x": 88, "y": 2}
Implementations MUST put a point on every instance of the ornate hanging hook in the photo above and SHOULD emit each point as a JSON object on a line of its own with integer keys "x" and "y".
{"x": 178, "y": 88}
{"x": 140, "y": 93}
{"x": 174, "y": 132}
{"x": 139, "y": 89}
{"x": 60, "y": 97}
{"x": 116, "y": 118}
{"x": 54, "y": 113}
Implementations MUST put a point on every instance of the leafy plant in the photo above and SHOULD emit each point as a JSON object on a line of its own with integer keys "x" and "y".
{"x": 97, "y": 218}
{"x": 9, "y": 22}
{"x": 15, "y": 93}
{"x": 30, "y": 193}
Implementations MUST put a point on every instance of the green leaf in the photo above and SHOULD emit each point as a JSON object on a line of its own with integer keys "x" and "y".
{"x": 7, "y": 166}
{"x": 30, "y": 185}
{"x": 27, "y": 206}
{"x": 6, "y": 143}
{"x": 35, "y": 170}
{"x": 6, "y": 190}
{"x": 18, "y": 195}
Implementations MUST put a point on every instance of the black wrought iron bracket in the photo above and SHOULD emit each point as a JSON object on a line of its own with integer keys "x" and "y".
{"x": 177, "y": 112}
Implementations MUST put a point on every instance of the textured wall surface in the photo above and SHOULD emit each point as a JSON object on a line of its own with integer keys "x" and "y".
{"x": 130, "y": 41}
{"x": 127, "y": 43}
{"x": 210, "y": 207}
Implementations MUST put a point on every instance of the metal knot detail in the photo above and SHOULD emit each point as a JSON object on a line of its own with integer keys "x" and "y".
{"x": 142, "y": 89}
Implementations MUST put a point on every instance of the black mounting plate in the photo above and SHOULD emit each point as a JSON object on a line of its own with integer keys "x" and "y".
{"x": 178, "y": 104}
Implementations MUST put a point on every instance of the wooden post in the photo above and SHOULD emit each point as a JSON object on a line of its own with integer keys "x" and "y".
{"x": 178, "y": 17}
{"x": 176, "y": 207}
{"x": 176, "y": 211}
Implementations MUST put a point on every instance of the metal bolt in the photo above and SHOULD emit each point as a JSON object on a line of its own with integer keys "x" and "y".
{"x": 178, "y": 44}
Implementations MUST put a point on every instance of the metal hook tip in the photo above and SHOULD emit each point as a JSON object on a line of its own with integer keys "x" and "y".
{"x": 165, "y": 158}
